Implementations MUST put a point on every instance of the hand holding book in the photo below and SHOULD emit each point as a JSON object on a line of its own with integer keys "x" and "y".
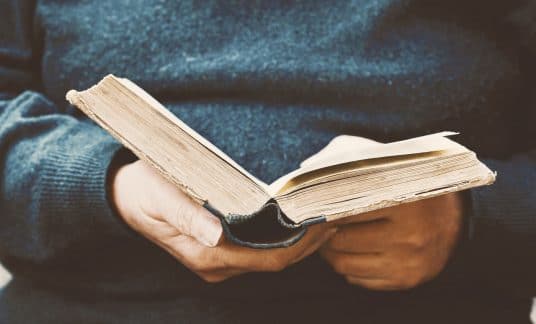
{"x": 350, "y": 176}
{"x": 392, "y": 248}
{"x": 158, "y": 210}
{"x": 398, "y": 247}
{"x": 392, "y": 232}
{"x": 169, "y": 218}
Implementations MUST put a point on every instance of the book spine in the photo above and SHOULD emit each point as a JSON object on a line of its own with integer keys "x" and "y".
{"x": 267, "y": 228}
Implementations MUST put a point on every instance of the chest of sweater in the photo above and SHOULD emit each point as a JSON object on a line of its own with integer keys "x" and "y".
{"x": 270, "y": 83}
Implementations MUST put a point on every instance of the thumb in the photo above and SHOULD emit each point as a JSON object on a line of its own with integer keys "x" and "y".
{"x": 183, "y": 213}
{"x": 194, "y": 220}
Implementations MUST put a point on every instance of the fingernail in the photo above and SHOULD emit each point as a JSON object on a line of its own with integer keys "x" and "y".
{"x": 212, "y": 232}
{"x": 330, "y": 233}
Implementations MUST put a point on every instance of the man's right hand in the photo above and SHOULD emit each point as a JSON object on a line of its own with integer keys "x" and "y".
{"x": 165, "y": 215}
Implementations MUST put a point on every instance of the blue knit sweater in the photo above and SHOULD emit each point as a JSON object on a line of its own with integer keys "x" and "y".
{"x": 270, "y": 83}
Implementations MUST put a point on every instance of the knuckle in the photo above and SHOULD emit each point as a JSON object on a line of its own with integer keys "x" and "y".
{"x": 408, "y": 275}
{"x": 201, "y": 262}
{"x": 352, "y": 281}
{"x": 196, "y": 266}
{"x": 211, "y": 278}
{"x": 339, "y": 265}
{"x": 276, "y": 264}
{"x": 338, "y": 243}
{"x": 368, "y": 284}
{"x": 416, "y": 241}
{"x": 183, "y": 219}
{"x": 407, "y": 281}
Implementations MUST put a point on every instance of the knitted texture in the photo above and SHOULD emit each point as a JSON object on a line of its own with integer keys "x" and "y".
{"x": 270, "y": 83}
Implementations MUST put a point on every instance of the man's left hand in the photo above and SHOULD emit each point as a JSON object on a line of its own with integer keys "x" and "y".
{"x": 398, "y": 247}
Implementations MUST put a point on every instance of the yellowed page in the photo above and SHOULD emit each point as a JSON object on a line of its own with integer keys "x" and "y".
{"x": 170, "y": 116}
{"x": 336, "y": 146}
{"x": 155, "y": 135}
{"x": 352, "y": 153}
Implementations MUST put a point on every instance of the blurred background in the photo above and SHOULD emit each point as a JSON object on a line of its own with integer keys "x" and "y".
{"x": 5, "y": 277}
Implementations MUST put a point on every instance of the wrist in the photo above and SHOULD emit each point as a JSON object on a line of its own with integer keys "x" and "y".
{"x": 115, "y": 180}
{"x": 459, "y": 206}
{"x": 115, "y": 190}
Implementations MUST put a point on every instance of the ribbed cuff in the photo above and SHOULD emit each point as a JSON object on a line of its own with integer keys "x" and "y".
{"x": 76, "y": 185}
{"x": 505, "y": 208}
{"x": 120, "y": 158}
{"x": 501, "y": 237}
{"x": 457, "y": 270}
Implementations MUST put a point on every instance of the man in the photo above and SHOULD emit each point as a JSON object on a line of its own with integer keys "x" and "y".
{"x": 92, "y": 235}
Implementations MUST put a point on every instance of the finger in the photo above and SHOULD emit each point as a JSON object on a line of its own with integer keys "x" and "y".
{"x": 194, "y": 255}
{"x": 248, "y": 259}
{"x": 188, "y": 251}
{"x": 317, "y": 244}
{"x": 219, "y": 276}
{"x": 194, "y": 220}
{"x": 279, "y": 258}
{"x": 210, "y": 272}
{"x": 369, "y": 237}
{"x": 201, "y": 259}
{"x": 373, "y": 283}
{"x": 362, "y": 265}
{"x": 228, "y": 256}
{"x": 180, "y": 211}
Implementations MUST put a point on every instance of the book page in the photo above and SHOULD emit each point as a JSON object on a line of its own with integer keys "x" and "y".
{"x": 361, "y": 190}
{"x": 170, "y": 116}
{"x": 337, "y": 146}
{"x": 348, "y": 150}
{"x": 159, "y": 138}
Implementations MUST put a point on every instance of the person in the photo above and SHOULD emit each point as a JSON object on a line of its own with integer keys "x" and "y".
{"x": 92, "y": 235}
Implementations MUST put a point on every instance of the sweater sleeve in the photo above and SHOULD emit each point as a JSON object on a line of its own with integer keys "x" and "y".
{"x": 501, "y": 240}
{"x": 501, "y": 245}
{"x": 54, "y": 165}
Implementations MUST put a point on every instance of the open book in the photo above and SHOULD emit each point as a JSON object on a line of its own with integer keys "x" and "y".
{"x": 351, "y": 175}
